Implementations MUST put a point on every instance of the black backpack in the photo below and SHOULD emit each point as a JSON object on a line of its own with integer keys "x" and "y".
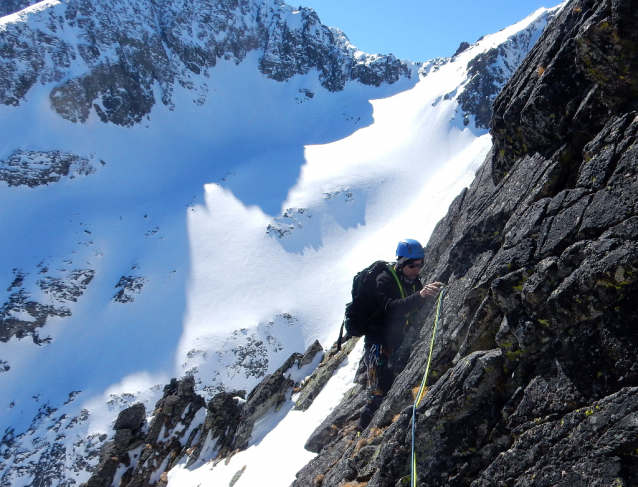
{"x": 364, "y": 306}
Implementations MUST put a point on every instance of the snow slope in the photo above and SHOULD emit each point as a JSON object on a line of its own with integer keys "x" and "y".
{"x": 221, "y": 237}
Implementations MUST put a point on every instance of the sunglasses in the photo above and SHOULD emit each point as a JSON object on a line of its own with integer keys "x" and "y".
{"x": 414, "y": 266}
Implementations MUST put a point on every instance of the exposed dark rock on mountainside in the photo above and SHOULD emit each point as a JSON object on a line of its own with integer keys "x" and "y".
{"x": 21, "y": 315}
{"x": 37, "y": 168}
{"x": 489, "y": 71}
{"x": 127, "y": 60}
{"x": 128, "y": 287}
{"x": 535, "y": 375}
{"x": 179, "y": 430}
{"x": 314, "y": 384}
{"x": 11, "y": 6}
{"x": 570, "y": 85}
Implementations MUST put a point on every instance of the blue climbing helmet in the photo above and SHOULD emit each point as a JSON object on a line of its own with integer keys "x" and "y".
{"x": 410, "y": 249}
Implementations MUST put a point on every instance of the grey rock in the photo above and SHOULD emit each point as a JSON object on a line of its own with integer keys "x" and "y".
{"x": 271, "y": 393}
{"x": 319, "y": 378}
{"x": 173, "y": 414}
{"x": 228, "y": 423}
{"x": 462, "y": 48}
{"x": 568, "y": 86}
{"x": 310, "y": 354}
{"x": 131, "y": 418}
{"x": 237, "y": 476}
{"x": 223, "y": 415}
{"x": 589, "y": 446}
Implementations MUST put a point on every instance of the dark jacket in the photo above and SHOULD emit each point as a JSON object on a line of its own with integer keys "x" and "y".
{"x": 389, "y": 327}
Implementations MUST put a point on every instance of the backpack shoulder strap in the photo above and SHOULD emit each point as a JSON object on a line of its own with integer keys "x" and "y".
{"x": 396, "y": 278}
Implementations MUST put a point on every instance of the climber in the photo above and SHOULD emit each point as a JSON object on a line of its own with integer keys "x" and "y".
{"x": 400, "y": 295}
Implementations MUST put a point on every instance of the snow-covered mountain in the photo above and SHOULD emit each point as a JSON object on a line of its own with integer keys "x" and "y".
{"x": 188, "y": 188}
{"x": 117, "y": 59}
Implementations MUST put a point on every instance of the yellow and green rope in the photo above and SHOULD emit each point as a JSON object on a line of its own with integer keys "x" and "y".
{"x": 421, "y": 392}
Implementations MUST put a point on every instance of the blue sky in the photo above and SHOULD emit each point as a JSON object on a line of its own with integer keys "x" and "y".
{"x": 420, "y": 30}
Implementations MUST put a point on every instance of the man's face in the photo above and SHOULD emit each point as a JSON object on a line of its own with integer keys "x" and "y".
{"x": 411, "y": 271}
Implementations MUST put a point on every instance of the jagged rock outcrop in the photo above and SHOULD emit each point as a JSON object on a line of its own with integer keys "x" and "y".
{"x": 179, "y": 428}
{"x": 128, "y": 436}
{"x": 223, "y": 415}
{"x": 535, "y": 368}
{"x": 129, "y": 60}
{"x": 232, "y": 415}
{"x": 315, "y": 383}
{"x": 169, "y": 435}
{"x": 269, "y": 395}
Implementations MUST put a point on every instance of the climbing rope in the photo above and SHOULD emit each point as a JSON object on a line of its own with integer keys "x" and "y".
{"x": 396, "y": 278}
{"x": 421, "y": 392}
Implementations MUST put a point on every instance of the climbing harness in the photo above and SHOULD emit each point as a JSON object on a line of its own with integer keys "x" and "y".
{"x": 421, "y": 392}
{"x": 377, "y": 357}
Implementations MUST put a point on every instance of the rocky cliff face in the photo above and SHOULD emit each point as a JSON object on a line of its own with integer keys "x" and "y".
{"x": 535, "y": 377}
{"x": 121, "y": 57}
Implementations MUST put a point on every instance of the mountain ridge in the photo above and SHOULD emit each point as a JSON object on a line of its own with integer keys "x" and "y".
{"x": 106, "y": 57}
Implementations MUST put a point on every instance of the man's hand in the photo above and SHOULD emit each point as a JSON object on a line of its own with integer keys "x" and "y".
{"x": 431, "y": 289}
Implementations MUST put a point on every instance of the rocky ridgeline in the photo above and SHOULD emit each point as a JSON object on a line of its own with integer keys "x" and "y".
{"x": 184, "y": 429}
{"x": 130, "y": 50}
{"x": 535, "y": 367}
{"x": 488, "y": 72}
